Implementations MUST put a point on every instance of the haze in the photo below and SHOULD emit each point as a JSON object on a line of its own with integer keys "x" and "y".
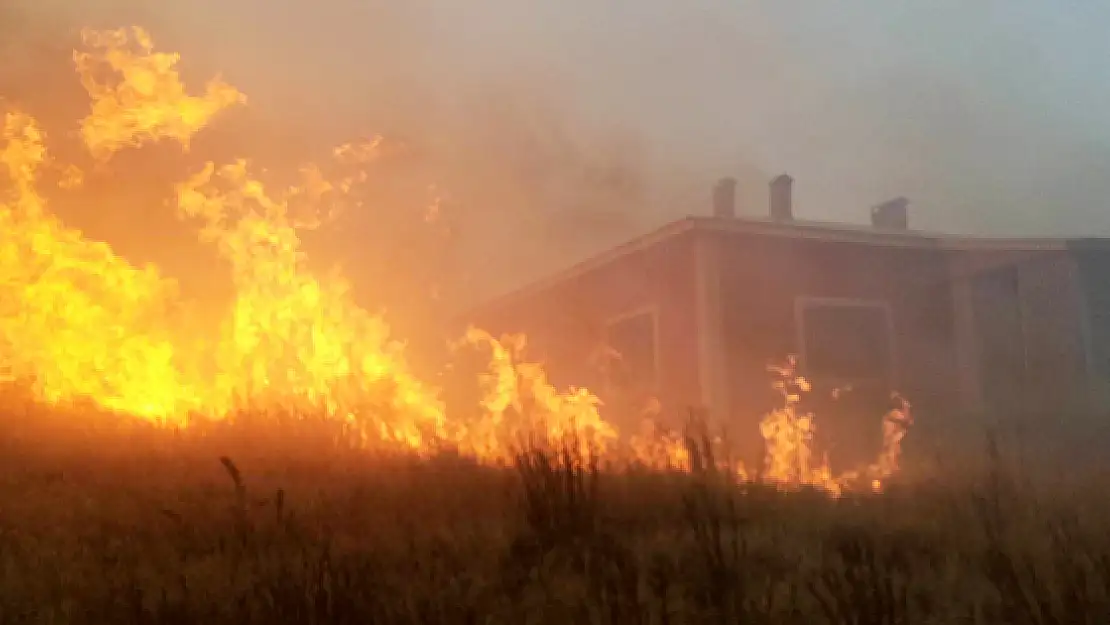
{"x": 558, "y": 128}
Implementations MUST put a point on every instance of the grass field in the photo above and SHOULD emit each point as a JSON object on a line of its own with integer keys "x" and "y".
{"x": 271, "y": 521}
{"x": 122, "y": 525}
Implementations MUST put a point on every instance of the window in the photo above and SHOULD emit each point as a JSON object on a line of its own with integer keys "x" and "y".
{"x": 633, "y": 338}
{"x": 845, "y": 339}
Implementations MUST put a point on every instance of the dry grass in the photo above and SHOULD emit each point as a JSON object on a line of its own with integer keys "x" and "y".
{"x": 116, "y": 524}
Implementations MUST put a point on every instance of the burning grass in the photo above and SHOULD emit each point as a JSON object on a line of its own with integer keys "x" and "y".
{"x": 290, "y": 465}
{"x": 141, "y": 525}
{"x": 82, "y": 325}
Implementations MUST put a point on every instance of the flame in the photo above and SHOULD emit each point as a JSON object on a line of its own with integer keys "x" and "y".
{"x": 78, "y": 321}
{"x": 788, "y": 436}
{"x": 519, "y": 400}
{"x": 80, "y": 324}
{"x": 896, "y": 423}
{"x": 656, "y": 446}
{"x": 144, "y": 99}
{"x": 293, "y": 337}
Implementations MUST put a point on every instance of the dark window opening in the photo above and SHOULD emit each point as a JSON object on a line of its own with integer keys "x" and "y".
{"x": 633, "y": 340}
{"x": 846, "y": 341}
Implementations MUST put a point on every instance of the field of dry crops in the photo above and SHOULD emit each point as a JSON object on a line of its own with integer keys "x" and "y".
{"x": 126, "y": 525}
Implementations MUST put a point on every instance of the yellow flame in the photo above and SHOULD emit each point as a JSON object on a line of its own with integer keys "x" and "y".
{"x": 519, "y": 400}
{"x": 78, "y": 321}
{"x": 143, "y": 99}
{"x": 291, "y": 336}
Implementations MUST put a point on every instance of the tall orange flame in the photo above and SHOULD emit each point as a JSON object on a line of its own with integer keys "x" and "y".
{"x": 142, "y": 98}
{"x": 78, "y": 321}
{"x": 291, "y": 336}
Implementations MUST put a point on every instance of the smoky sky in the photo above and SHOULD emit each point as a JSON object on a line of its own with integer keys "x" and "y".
{"x": 557, "y": 128}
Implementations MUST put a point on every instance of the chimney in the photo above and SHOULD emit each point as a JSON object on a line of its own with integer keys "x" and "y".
{"x": 891, "y": 214}
{"x": 724, "y": 198}
{"x": 782, "y": 202}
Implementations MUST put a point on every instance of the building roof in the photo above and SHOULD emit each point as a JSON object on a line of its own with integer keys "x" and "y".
{"x": 795, "y": 229}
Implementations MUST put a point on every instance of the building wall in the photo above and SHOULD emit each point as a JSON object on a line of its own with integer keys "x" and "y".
{"x": 1021, "y": 332}
{"x": 1092, "y": 270}
{"x": 565, "y": 324}
{"x": 726, "y": 307}
{"x": 762, "y": 279}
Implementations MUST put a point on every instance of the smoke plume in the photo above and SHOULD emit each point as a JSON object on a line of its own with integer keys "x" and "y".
{"x": 550, "y": 130}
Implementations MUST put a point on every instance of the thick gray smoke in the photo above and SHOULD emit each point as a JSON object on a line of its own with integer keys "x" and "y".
{"x": 557, "y": 128}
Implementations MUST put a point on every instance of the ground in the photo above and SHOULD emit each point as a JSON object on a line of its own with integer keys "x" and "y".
{"x": 124, "y": 525}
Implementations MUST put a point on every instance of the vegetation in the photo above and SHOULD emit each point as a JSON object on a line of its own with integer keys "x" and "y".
{"x": 144, "y": 526}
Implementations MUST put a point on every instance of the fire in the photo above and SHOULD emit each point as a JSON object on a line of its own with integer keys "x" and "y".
{"x": 78, "y": 321}
{"x": 896, "y": 423}
{"x": 142, "y": 98}
{"x": 654, "y": 445}
{"x": 788, "y": 434}
{"x": 290, "y": 339}
{"x": 520, "y": 401}
{"x": 80, "y": 324}
{"x": 294, "y": 338}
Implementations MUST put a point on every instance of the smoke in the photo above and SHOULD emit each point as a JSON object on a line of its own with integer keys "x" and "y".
{"x": 554, "y": 129}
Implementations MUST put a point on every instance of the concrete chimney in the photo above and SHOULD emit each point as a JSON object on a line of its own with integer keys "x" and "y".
{"x": 891, "y": 214}
{"x": 782, "y": 201}
{"x": 724, "y": 198}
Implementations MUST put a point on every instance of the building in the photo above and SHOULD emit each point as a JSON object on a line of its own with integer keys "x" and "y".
{"x": 698, "y": 308}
